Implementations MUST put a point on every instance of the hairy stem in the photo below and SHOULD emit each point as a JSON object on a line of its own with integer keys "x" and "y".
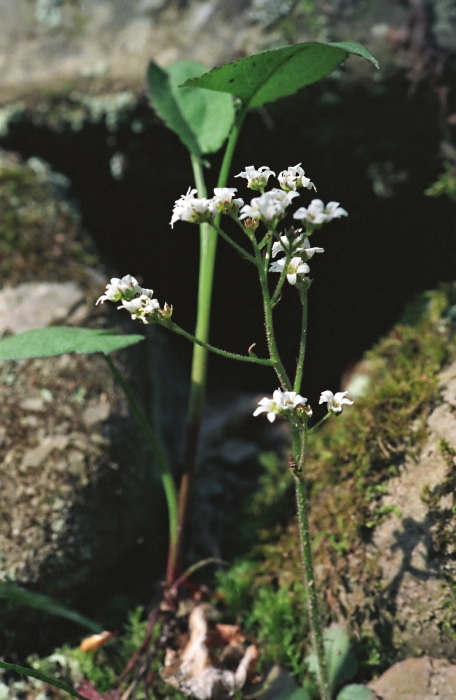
{"x": 297, "y": 463}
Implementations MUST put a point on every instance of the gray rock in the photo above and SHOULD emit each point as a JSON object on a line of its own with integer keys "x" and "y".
{"x": 76, "y": 483}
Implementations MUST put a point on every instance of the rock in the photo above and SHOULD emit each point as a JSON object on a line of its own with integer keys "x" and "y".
{"x": 417, "y": 679}
{"x": 76, "y": 484}
{"x": 56, "y": 42}
{"x": 37, "y": 304}
{"x": 414, "y": 547}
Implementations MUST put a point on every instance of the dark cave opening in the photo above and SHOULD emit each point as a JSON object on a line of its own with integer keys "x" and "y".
{"x": 375, "y": 150}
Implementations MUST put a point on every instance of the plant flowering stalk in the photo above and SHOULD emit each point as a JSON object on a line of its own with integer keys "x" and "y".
{"x": 293, "y": 245}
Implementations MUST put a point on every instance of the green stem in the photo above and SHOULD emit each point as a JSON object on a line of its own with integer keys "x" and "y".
{"x": 158, "y": 451}
{"x": 218, "y": 351}
{"x": 269, "y": 324}
{"x": 243, "y": 253}
{"x": 208, "y": 248}
{"x": 320, "y": 422}
{"x": 302, "y": 347}
{"x": 280, "y": 283}
{"x": 297, "y": 463}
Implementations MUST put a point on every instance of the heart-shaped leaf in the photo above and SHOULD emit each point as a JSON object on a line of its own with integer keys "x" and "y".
{"x": 267, "y": 76}
{"x": 58, "y": 340}
{"x": 201, "y": 120}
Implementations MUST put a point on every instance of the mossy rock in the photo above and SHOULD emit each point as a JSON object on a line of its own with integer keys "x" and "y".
{"x": 382, "y": 495}
{"x": 78, "y": 488}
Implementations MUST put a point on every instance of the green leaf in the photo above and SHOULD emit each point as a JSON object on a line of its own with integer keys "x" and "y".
{"x": 340, "y": 656}
{"x": 270, "y": 75}
{"x": 355, "y": 692}
{"x": 201, "y": 120}
{"x": 20, "y": 596}
{"x": 42, "y": 677}
{"x": 58, "y": 340}
{"x": 278, "y": 685}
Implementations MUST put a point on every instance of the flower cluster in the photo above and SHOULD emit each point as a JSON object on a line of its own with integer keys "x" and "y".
{"x": 269, "y": 207}
{"x": 137, "y": 300}
{"x": 256, "y": 179}
{"x": 297, "y": 251}
{"x": 294, "y": 177}
{"x": 281, "y": 401}
{"x": 288, "y": 400}
{"x": 196, "y": 210}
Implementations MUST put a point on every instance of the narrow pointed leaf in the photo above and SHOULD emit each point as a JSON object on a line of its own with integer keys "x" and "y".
{"x": 23, "y": 670}
{"x": 268, "y": 76}
{"x": 20, "y": 596}
{"x": 200, "y": 119}
{"x": 58, "y": 340}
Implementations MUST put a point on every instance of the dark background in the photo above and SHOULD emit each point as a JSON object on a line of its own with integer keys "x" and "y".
{"x": 373, "y": 148}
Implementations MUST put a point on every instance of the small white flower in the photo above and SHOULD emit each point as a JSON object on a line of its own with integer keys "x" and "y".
{"x": 117, "y": 288}
{"x": 317, "y": 214}
{"x": 269, "y": 207}
{"x": 193, "y": 209}
{"x": 140, "y": 307}
{"x": 296, "y": 245}
{"x": 334, "y": 211}
{"x": 295, "y": 267}
{"x": 256, "y": 179}
{"x": 335, "y": 401}
{"x": 281, "y": 401}
{"x": 294, "y": 177}
{"x": 224, "y": 200}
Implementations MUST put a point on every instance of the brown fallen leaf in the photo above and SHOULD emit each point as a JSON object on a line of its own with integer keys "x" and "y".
{"x": 195, "y": 672}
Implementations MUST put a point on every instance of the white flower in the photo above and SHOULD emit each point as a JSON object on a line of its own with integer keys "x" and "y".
{"x": 296, "y": 245}
{"x": 308, "y": 250}
{"x": 117, "y": 288}
{"x": 224, "y": 201}
{"x": 335, "y": 401}
{"x": 268, "y": 207}
{"x": 281, "y": 401}
{"x": 192, "y": 209}
{"x": 256, "y": 179}
{"x": 294, "y": 177}
{"x": 295, "y": 267}
{"x": 317, "y": 214}
{"x": 140, "y": 307}
{"x": 334, "y": 211}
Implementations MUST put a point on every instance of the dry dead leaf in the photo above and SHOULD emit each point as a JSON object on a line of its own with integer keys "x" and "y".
{"x": 195, "y": 672}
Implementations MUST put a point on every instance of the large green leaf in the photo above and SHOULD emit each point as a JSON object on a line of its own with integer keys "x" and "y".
{"x": 267, "y": 76}
{"x": 20, "y": 596}
{"x": 42, "y": 677}
{"x": 201, "y": 120}
{"x": 57, "y": 340}
{"x": 340, "y": 656}
{"x": 356, "y": 692}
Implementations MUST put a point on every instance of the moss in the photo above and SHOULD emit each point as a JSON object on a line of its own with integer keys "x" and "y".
{"x": 350, "y": 462}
